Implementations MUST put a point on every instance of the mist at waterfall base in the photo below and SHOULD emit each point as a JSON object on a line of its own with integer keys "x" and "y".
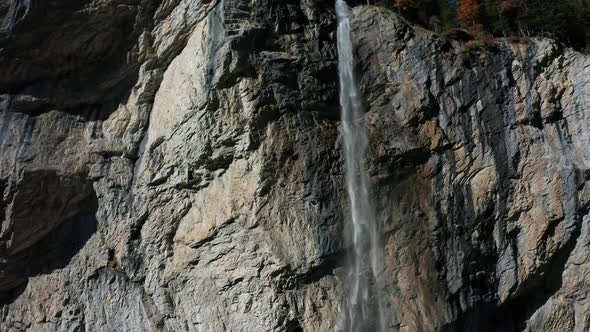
{"x": 364, "y": 303}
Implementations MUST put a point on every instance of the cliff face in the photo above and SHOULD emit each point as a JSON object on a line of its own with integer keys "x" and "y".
{"x": 176, "y": 166}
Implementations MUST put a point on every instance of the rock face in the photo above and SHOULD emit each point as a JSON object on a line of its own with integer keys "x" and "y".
{"x": 175, "y": 166}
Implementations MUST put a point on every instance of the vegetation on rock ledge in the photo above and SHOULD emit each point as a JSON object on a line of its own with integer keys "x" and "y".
{"x": 567, "y": 21}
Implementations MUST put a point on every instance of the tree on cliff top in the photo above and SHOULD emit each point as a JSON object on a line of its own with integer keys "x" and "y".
{"x": 510, "y": 6}
{"x": 564, "y": 20}
{"x": 467, "y": 13}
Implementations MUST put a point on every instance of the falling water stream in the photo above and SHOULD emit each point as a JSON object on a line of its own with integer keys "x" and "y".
{"x": 363, "y": 300}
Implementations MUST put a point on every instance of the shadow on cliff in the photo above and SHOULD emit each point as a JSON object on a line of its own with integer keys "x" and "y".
{"x": 539, "y": 286}
{"x": 53, "y": 251}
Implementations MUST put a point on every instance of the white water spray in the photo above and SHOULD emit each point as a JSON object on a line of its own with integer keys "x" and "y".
{"x": 364, "y": 301}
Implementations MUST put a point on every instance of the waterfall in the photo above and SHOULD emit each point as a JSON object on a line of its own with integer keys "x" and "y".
{"x": 363, "y": 299}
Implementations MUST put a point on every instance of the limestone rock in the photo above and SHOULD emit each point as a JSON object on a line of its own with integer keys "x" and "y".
{"x": 175, "y": 166}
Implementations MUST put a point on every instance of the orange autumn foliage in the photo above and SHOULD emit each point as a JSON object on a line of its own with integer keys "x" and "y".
{"x": 467, "y": 12}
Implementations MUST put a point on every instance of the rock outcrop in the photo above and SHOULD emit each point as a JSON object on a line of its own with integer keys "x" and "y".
{"x": 176, "y": 166}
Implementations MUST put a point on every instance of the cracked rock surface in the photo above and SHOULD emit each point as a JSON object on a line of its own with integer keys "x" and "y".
{"x": 175, "y": 166}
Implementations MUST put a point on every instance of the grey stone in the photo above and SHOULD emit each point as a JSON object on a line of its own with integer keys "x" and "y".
{"x": 175, "y": 166}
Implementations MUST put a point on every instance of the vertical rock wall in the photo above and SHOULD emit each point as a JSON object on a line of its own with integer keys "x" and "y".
{"x": 176, "y": 166}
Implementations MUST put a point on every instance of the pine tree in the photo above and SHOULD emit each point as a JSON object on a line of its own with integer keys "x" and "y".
{"x": 565, "y": 20}
{"x": 447, "y": 11}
